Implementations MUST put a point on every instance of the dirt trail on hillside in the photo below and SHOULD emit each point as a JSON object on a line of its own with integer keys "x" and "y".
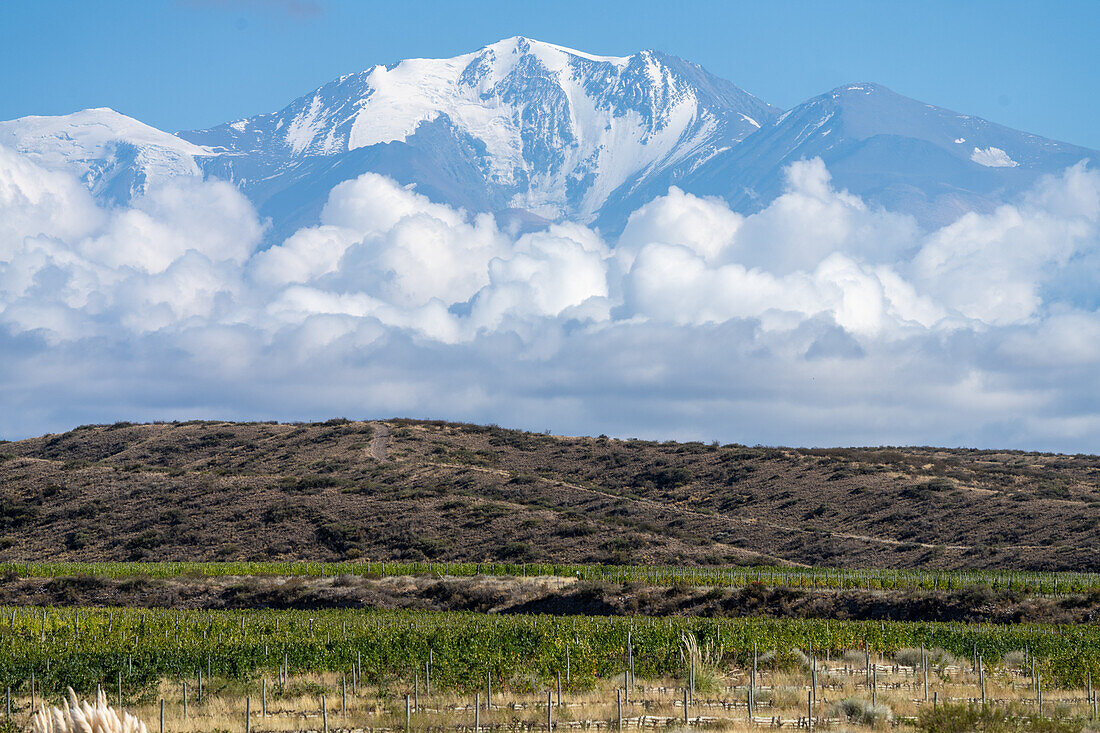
{"x": 380, "y": 443}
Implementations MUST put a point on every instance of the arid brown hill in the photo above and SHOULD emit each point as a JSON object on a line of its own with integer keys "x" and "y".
{"x": 413, "y": 489}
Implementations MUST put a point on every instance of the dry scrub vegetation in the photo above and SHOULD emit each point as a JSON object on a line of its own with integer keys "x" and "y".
{"x": 403, "y": 489}
{"x": 852, "y": 693}
{"x": 547, "y": 595}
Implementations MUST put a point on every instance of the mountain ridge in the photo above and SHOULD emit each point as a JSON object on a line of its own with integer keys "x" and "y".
{"x": 528, "y": 126}
{"x": 958, "y": 158}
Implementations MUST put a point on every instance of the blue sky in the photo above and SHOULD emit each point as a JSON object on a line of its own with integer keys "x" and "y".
{"x": 820, "y": 319}
{"x": 182, "y": 64}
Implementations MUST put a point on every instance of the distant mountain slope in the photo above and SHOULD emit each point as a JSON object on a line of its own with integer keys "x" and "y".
{"x": 891, "y": 150}
{"x": 535, "y": 132}
{"x": 413, "y": 490}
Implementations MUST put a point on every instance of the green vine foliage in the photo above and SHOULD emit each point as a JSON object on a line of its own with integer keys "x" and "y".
{"x": 86, "y": 647}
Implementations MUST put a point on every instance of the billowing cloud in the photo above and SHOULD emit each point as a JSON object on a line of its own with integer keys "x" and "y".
{"x": 819, "y": 320}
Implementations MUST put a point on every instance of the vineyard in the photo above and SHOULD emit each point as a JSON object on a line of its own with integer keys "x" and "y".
{"x": 525, "y": 582}
{"x": 313, "y": 669}
{"x": 835, "y": 578}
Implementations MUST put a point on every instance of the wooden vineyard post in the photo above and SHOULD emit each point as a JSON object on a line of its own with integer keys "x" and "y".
{"x": 752, "y": 691}
{"x": 630, "y": 655}
{"x": 752, "y": 679}
{"x": 559, "y": 689}
{"x": 263, "y": 698}
{"x": 248, "y": 715}
{"x": 867, "y": 662}
{"x": 185, "y": 701}
{"x": 200, "y": 686}
{"x": 924, "y": 666}
{"x": 686, "y": 704}
{"x": 935, "y": 701}
{"x": 874, "y": 686}
{"x": 549, "y": 712}
{"x": 813, "y": 677}
{"x": 408, "y": 713}
{"x": 626, "y": 685}
{"x": 981, "y": 679}
{"x": 344, "y": 696}
{"x": 809, "y": 711}
{"x": 416, "y": 692}
{"x": 619, "y": 706}
{"x": 120, "y": 688}
{"x": 324, "y": 706}
{"x": 489, "y": 690}
{"x": 477, "y": 712}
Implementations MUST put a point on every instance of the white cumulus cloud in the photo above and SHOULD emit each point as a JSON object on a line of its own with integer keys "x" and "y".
{"x": 819, "y": 319}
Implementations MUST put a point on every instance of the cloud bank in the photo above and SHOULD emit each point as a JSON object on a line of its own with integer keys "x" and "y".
{"x": 819, "y": 320}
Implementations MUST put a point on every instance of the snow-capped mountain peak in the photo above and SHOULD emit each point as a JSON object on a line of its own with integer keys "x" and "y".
{"x": 116, "y": 156}
{"x": 552, "y": 130}
{"x": 532, "y": 131}
{"x": 502, "y": 57}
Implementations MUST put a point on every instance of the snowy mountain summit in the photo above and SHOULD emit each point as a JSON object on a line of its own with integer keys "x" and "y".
{"x": 536, "y": 131}
{"x": 116, "y": 156}
{"x": 533, "y": 126}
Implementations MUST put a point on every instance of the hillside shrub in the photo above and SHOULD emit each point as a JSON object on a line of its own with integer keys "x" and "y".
{"x": 992, "y": 719}
{"x": 862, "y": 712}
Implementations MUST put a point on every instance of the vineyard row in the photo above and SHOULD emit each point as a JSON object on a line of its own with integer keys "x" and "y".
{"x": 836, "y": 578}
{"x": 89, "y": 647}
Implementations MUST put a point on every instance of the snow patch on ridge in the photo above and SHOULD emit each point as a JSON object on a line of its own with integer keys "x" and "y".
{"x": 992, "y": 158}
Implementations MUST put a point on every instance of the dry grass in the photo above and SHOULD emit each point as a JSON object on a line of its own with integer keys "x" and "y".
{"x": 843, "y": 700}
{"x": 80, "y": 716}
